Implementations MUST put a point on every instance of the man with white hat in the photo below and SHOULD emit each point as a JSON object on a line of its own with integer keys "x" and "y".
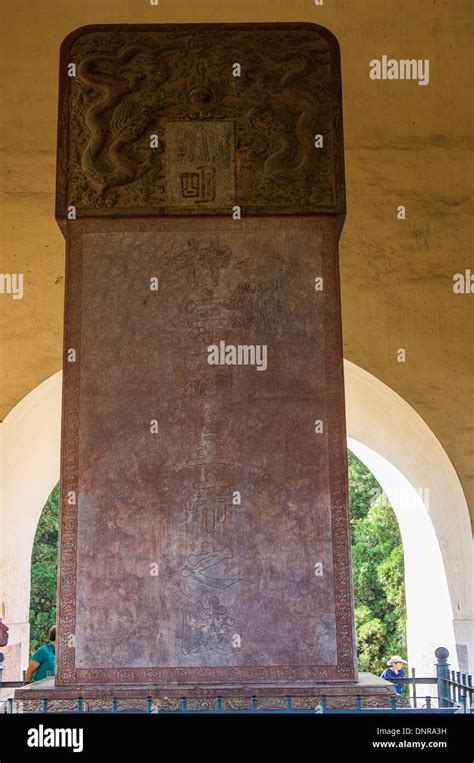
{"x": 395, "y": 670}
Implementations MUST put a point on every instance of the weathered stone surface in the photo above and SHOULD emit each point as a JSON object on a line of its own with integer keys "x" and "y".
{"x": 236, "y": 597}
{"x": 136, "y": 81}
{"x": 204, "y": 522}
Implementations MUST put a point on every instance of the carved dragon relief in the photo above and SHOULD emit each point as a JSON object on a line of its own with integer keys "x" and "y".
{"x": 130, "y": 84}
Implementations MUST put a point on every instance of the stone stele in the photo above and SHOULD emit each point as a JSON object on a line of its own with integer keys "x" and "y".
{"x": 204, "y": 544}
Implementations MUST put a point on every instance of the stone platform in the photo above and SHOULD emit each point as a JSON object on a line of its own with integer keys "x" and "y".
{"x": 374, "y": 692}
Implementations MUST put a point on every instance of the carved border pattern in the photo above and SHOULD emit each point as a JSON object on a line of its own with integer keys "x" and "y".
{"x": 69, "y": 494}
{"x": 344, "y": 604}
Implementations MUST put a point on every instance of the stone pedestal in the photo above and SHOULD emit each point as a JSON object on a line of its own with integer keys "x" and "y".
{"x": 367, "y": 692}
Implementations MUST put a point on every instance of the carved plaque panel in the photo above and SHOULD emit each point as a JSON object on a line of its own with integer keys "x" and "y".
{"x": 200, "y": 164}
{"x": 122, "y": 131}
{"x": 208, "y": 536}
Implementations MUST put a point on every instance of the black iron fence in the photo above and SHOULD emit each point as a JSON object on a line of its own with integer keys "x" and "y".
{"x": 453, "y": 694}
{"x": 454, "y": 690}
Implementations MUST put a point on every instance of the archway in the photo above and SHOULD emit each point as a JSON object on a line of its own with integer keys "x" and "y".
{"x": 44, "y": 564}
{"x": 30, "y": 443}
{"x": 408, "y": 461}
{"x": 383, "y": 431}
{"x": 378, "y": 571}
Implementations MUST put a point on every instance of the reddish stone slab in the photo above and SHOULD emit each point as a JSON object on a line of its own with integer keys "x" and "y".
{"x": 165, "y": 577}
{"x": 204, "y": 519}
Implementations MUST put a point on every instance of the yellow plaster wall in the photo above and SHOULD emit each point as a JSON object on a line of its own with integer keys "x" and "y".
{"x": 405, "y": 144}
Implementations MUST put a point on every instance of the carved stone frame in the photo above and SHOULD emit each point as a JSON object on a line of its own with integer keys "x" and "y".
{"x": 64, "y": 154}
{"x": 67, "y": 673}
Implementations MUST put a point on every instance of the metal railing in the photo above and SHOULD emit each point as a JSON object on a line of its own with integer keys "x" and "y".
{"x": 454, "y": 694}
{"x": 454, "y": 690}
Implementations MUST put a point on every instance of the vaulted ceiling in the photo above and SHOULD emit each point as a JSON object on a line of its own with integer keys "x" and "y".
{"x": 405, "y": 145}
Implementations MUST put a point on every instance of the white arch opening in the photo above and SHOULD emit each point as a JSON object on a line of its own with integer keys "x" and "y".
{"x": 29, "y": 469}
{"x": 384, "y": 432}
{"x": 429, "y": 611}
{"x": 408, "y": 461}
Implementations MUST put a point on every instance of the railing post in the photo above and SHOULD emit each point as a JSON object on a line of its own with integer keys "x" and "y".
{"x": 442, "y": 674}
{"x": 413, "y": 682}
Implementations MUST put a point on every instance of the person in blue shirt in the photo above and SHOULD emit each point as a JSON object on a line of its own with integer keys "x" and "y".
{"x": 395, "y": 670}
{"x": 42, "y": 661}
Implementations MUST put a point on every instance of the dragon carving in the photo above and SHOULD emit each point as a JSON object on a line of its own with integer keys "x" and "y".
{"x": 126, "y": 91}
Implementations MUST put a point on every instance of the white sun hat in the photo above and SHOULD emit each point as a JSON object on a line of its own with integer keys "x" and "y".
{"x": 396, "y": 658}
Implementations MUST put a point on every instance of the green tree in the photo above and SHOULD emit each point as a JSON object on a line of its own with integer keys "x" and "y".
{"x": 363, "y": 488}
{"x": 44, "y": 560}
{"x": 377, "y": 569}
